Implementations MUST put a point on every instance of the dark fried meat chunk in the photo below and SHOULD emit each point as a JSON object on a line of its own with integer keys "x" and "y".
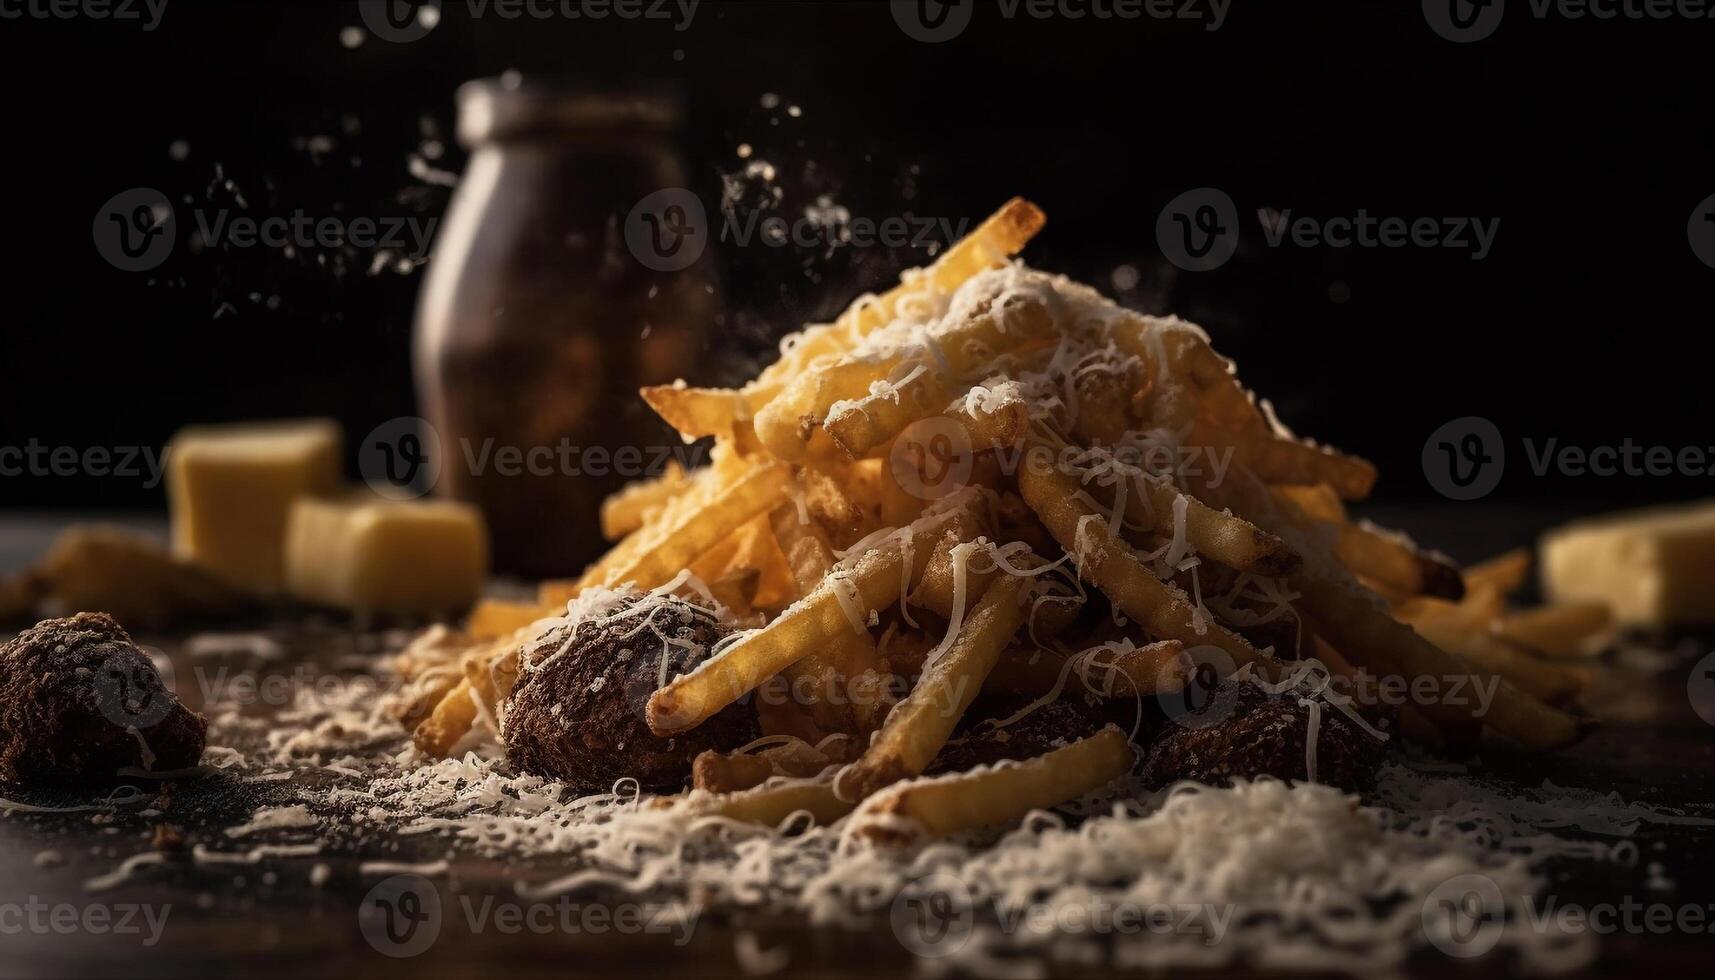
{"x": 80, "y": 701}
{"x": 1243, "y": 732}
{"x": 1049, "y": 727}
{"x": 580, "y": 718}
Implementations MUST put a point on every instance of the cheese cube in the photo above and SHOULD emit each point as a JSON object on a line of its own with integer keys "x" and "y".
{"x": 1654, "y": 567}
{"x": 371, "y": 555}
{"x": 232, "y": 486}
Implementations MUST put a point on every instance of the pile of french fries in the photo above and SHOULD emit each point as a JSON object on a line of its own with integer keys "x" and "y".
{"x": 882, "y": 610}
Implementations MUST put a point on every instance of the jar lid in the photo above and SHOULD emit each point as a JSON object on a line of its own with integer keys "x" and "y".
{"x": 513, "y": 107}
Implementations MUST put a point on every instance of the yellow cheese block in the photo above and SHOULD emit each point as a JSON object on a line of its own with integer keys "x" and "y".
{"x": 232, "y": 486}
{"x": 1653, "y": 567}
{"x": 365, "y": 553}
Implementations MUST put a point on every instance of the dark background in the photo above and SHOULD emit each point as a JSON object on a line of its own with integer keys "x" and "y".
{"x": 1590, "y": 140}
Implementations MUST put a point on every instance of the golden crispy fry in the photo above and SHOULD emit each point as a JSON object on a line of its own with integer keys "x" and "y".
{"x": 769, "y": 805}
{"x": 130, "y": 577}
{"x": 1159, "y": 607}
{"x": 1281, "y": 460}
{"x": 998, "y": 238}
{"x": 450, "y": 721}
{"x": 736, "y": 590}
{"x": 991, "y": 796}
{"x": 1104, "y": 406}
{"x": 691, "y": 533}
{"x": 1395, "y": 562}
{"x": 938, "y": 582}
{"x": 790, "y": 425}
{"x": 750, "y": 549}
{"x": 1564, "y": 632}
{"x": 1317, "y": 502}
{"x": 1545, "y": 681}
{"x": 1505, "y": 574}
{"x": 1109, "y": 672}
{"x": 921, "y": 724}
{"x": 812, "y": 623}
{"x": 842, "y": 684}
{"x": 925, "y": 383}
{"x": 718, "y": 772}
{"x": 697, "y": 412}
{"x": 494, "y": 618}
{"x": 1217, "y": 535}
{"x": 1183, "y": 377}
{"x": 631, "y": 508}
{"x": 996, "y": 422}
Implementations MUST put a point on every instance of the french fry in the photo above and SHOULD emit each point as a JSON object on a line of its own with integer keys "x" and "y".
{"x": 1544, "y": 681}
{"x": 1000, "y": 421}
{"x": 813, "y": 623}
{"x": 494, "y": 618}
{"x": 1281, "y": 460}
{"x": 938, "y": 583}
{"x": 920, "y": 725}
{"x": 1159, "y": 607}
{"x": 965, "y": 350}
{"x": 1104, "y": 406}
{"x": 998, "y": 238}
{"x": 630, "y": 508}
{"x": 450, "y": 721}
{"x": 1002, "y": 794}
{"x": 1505, "y": 573}
{"x": 1395, "y": 562}
{"x": 732, "y": 772}
{"x": 698, "y": 529}
{"x": 771, "y": 804}
{"x": 843, "y": 682}
{"x": 1563, "y": 632}
{"x": 1169, "y": 348}
{"x": 1412, "y": 723}
{"x": 697, "y": 412}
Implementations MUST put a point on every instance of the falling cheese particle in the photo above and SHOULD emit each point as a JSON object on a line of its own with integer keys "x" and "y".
{"x": 1653, "y": 567}
{"x": 232, "y": 486}
{"x": 367, "y": 554}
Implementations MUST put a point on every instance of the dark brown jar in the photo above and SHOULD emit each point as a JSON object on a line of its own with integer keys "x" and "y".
{"x": 537, "y": 323}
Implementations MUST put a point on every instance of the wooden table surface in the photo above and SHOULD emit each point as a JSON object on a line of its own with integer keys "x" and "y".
{"x": 272, "y": 920}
